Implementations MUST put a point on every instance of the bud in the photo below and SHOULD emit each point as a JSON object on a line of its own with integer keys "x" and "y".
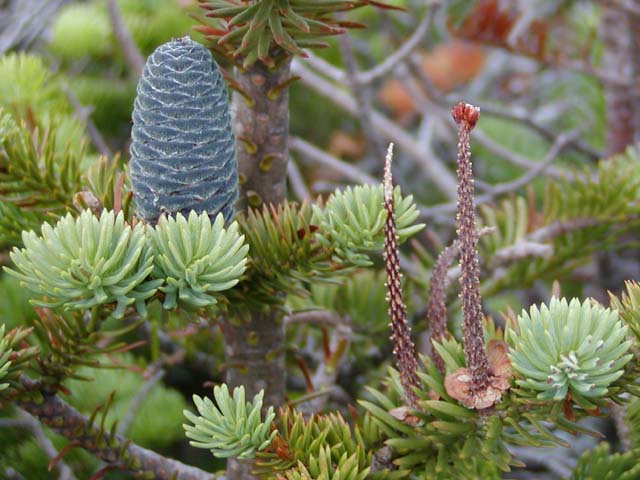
{"x": 465, "y": 112}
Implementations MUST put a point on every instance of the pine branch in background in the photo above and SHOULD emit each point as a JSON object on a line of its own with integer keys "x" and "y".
{"x": 359, "y": 296}
{"x": 29, "y": 86}
{"x": 577, "y": 219}
{"x": 13, "y": 222}
{"x": 36, "y": 175}
{"x": 116, "y": 451}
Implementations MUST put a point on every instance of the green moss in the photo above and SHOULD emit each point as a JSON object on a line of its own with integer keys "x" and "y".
{"x": 158, "y": 420}
{"x": 15, "y": 309}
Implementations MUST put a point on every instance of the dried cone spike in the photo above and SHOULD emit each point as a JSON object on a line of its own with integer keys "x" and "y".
{"x": 403, "y": 347}
{"x": 437, "y": 306}
{"x": 480, "y": 384}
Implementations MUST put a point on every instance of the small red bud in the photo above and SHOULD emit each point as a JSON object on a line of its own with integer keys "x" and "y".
{"x": 465, "y": 112}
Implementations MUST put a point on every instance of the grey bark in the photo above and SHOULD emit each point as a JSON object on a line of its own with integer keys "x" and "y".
{"x": 255, "y": 347}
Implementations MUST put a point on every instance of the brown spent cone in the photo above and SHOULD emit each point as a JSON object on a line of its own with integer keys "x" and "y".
{"x": 459, "y": 384}
{"x": 480, "y": 387}
{"x": 403, "y": 347}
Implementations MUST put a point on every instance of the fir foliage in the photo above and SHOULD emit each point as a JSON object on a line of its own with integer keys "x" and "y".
{"x": 568, "y": 348}
{"x": 232, "y": 427}
{"x": 14, "y": 356}
{"x": 600, "y": 464}
{"x": 86, "y": 262}
{"x": 353, "y": 221}
{"x": 194, "y": 259}
{"x": 322, "y": 446}
{"x": 324, "y": 467}
{"x": 632, "y": 418}
{"x": 291, "y": 245}
{"x": 440, "y": 439}
{"x": 106, "y": 180}
{"x": 5, "y": 354}
{"x": 284, "y": 253}
{"x": 628, "y": 305}
{"x": 251, "y": 31}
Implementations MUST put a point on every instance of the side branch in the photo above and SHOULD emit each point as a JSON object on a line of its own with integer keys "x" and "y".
{"x": 65, "y": 420}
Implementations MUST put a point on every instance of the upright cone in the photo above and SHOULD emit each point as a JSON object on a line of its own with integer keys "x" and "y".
{"x": 183, "y": 148}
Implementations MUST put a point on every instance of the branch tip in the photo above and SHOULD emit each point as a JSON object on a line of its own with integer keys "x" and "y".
{"x": 388, "y": 177}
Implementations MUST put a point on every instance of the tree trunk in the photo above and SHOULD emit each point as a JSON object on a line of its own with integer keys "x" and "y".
{"x": 261, "y": 126}
{"x": 255, "y": 348}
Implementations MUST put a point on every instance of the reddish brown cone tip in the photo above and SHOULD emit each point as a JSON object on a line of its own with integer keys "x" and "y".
{"x": 465, "y": 112}
{"x": 459, "y": 386}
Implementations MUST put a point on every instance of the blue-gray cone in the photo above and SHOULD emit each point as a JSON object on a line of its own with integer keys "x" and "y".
{"x": 183, "y": 148}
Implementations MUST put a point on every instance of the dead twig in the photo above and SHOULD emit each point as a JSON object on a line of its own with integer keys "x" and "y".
{"x": 132, "y": 55}
{"x": 296, "y": 181}
{"x": 312, "y": 153}
{"x": 83, "y": 114}
{"x": 441, "y": 177}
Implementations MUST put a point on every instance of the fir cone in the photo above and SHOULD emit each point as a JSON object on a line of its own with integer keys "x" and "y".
{"x": 183, "y": 148}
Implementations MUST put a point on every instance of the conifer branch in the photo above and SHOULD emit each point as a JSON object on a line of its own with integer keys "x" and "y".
{"x": 65, "y": 420}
